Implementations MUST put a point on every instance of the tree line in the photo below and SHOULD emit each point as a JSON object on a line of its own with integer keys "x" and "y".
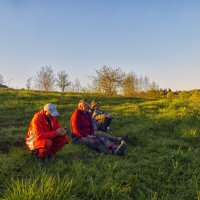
{"x": 111, "y": 81}
{"x": 117, "y": 81}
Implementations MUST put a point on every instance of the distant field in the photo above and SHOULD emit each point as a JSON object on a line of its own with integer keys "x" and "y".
{"x": 162, "y": 160}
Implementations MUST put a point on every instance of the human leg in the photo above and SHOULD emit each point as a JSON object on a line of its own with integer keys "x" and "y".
{"x": 104, "y": 123}
{"x": 87, "y": 141}
{"x": 94, "y": 143}
{"x": 51, "y": 147}
{"x": 120, "y": 150}
{"x": 118, "y": 145}
{"x": 102, "y": 144}
{"x": 111, "y": 139}
{"x": 43, "y": 152}
{"x": 108, "y": 122}
{"x": 58, "y": 143}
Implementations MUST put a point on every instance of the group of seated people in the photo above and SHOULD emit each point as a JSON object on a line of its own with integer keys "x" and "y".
{"x": 45, "y": 136}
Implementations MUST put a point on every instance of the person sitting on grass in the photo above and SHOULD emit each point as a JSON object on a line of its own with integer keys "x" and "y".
{"x": 83, "y": 133}
{"x": 45, "y": 136}
{"x": 101, "y": 118}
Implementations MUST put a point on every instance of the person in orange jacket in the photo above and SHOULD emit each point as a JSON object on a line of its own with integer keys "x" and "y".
{"x": 45, "y": 136}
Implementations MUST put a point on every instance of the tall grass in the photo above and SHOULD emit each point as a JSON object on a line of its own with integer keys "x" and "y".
{"x": 162, "y": 160}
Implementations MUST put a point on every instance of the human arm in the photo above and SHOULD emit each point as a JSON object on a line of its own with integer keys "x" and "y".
{"x": 61, "y": 132}
{"x": 46, "y": 129}
{"x": 76, "y": 123}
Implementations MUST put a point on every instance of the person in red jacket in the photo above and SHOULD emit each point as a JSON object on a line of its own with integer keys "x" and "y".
{"x": 45, "y": 136}
{"x": 83, "y": 132}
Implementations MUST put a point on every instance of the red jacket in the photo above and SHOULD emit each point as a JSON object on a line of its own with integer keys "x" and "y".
{"x": 41, "y": 129}
{"x": 81, "y": 123}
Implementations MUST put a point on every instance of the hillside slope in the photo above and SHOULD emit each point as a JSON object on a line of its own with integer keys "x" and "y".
{"x": 162, "y": 160}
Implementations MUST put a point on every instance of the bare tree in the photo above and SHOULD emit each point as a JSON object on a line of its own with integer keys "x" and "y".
{"x": 129, "y": 87}
{"x": 143, "y": 83}
{"x": 76, "y": 86}
{"x": 28, "y": 83}
{"x": 62, "y": 81}
{"x": 140, "y": 83}
{"x": 146, "y": 83}
{"x": 153, "y": 90}
{"x": 153, "y": 86}
{"x": 108, "y": 80}
{"x": 1, "y": 80}
{"x": 45, "y": 79}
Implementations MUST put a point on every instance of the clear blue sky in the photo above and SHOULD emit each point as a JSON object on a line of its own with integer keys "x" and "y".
{"x": 157, "y": 38}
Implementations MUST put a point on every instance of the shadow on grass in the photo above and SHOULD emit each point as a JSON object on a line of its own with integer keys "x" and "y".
{"x": 6, "y": 146}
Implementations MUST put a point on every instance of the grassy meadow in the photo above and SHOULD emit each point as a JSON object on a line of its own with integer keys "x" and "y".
{"x": 162, "y": 160}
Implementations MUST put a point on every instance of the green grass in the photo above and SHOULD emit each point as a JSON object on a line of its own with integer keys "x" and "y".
{"x": 162, "y": 160}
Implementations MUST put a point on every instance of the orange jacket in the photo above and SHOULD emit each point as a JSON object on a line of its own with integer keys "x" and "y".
{"x": 41, "y": 129}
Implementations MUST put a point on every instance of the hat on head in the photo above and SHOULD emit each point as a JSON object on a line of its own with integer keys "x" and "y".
{"x": 51, "y": 108}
